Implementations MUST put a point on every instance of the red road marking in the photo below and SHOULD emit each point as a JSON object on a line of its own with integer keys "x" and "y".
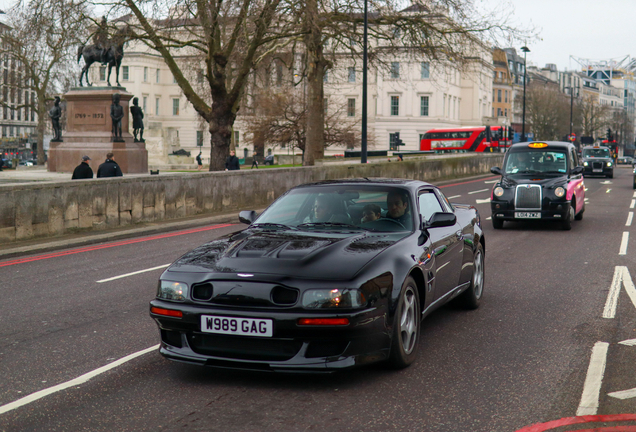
{"x": 472, "y": 181}
{"x": 109, "y": 245}
{"x": 542, "y": 427}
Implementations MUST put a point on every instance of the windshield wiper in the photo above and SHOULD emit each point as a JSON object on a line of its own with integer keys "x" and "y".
{"x": 330, "y": 225}
{"x": 266, "y": 225}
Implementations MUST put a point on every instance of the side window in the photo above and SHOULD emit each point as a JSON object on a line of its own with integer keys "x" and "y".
{"x": 428, "y": 204}
{"x": 574, "y": 160}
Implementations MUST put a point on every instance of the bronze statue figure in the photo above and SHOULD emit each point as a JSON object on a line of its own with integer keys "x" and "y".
{"x": 104, "y": 50}
{"x": 138, "y": 120}
{"x": 55, "y": 113}
{"x": 116, "y": 114}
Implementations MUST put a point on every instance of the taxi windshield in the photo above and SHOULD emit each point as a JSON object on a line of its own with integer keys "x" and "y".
{"x": 596, "y": 153}
{"x": 531, "y": 162}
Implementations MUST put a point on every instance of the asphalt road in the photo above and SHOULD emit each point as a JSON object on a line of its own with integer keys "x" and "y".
{"x": 522, "y": 358}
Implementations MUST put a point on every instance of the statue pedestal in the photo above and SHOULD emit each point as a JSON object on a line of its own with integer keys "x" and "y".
{"x": 89, "y": 132}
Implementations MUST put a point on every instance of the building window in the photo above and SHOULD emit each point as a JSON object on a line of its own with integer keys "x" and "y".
{"x": 424, "y": 106}
{"x": 145, "y": 74}
{"x": 125, "y": 73}
{"x": 236, "y": 138}
{"x": 279, "y": 75}
{"x": 506, "y": 112}
{"x": 498, "y": 112}
{"x": 145, "y": 103}
{"x": 200, "y": 138}
{"x": 425, "y": 70}
{"x": 157, "y": 75}
{"x": 157, "y": 106}
{"x": 352, "y": 75}
{"x": 325, "y": 77}
{"x": 174, "y": 79}
{"x": 351, "y": 108}
{"x": 499, "y": 95}
{"x": 4, "y": 131}
{"x": 102, "y": 73}
{"x": 395, "y": 70}
{"x": 175, "y": 107}
{"x": 325, "y": 104}
{"x": 393, "y": 141}
{"x": 395, "y": 105}
{"x": 506, "y": 96}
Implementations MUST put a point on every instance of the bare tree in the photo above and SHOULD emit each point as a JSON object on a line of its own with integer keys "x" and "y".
{"x": 548, "y": 111}
{"x": 594, "y": 116}
{"x": 41, "y": 40}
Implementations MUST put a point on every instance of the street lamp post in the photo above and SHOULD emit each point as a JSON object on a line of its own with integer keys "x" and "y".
{"x": 571, "y": 106}
{"x": 525, "y": 72}
{"x": 363, "y": 144}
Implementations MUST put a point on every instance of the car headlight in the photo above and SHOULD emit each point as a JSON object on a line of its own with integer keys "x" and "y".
{"x": 333, "y": 298}
{"x": 609, "y": 164}
{"x": 499, "y": 191}
{"x": 584, "y": 163}
{"x": 175, "y": 291}
{"x": 559, "y": 192}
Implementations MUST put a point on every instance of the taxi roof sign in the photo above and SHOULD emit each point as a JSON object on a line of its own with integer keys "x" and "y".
{"x": 537, "y": 145}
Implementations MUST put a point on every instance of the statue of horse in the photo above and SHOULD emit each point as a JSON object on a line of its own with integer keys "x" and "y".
{"x": 113, "y": 56}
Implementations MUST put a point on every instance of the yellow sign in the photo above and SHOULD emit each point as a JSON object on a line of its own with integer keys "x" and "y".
{"x": 537, "y": 145}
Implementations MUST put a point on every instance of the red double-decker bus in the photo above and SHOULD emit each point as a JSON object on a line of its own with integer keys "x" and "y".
{"x": 466, "y": 139}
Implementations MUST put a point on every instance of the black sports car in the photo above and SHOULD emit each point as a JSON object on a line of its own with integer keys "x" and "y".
{"x": 597, "y": 160}
{"x": 331, "y": 275}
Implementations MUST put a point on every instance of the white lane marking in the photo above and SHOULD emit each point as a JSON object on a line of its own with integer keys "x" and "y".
{"x": 479, "y": 191}
{"x": 624, "y": 394}
{"x": 133, "y": 273}
{"x": 495, "y": 181}
{"x": 488, "y": 218}
{"x": 585, "y": 189}
{"x": 606, "y": 182}
{"x": 593, "y": 380}
{"x": 634, "y": 195}
{"x": 483, "y": 201}
{"x": 74, "y": 382}
{"x": 623, "y": 250}
{"x": 621, "y": 276}
{"x": 630, "y": 217}
{"x": 628, "y": 342}
{"x": 454, "y": 196}
{"x": 608, "y": 191}
{"x": 632, "y": 204}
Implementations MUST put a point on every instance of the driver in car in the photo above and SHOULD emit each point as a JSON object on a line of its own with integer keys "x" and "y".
{"x": 523, "y": 163}
{"x": 397, "y": 203}
{"x": 324, "y": 211}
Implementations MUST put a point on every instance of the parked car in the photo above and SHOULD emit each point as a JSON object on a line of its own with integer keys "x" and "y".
{"x": 25, "y": 163}
{"x": 625, "y": 160}
{"x": 7, "y": 163}
{"x": 597, "y": 160}
{"x": 268, "y": 160}
{"x": 539, "y": 181}
{"x": 329, "y": 276}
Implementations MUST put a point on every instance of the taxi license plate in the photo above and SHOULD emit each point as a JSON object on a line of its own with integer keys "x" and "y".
{"x": 597, "y": 170}
{"x": 237, "y": 326}
{"x": 527, "y": 215}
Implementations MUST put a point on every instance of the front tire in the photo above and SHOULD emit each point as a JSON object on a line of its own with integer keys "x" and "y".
{"x": 471, "y": 298}
{"x": 497, "y": 223}
{"x": 579, "y": 215}
{"x": 566, "y": 225}
{"x": 406, "y": 326}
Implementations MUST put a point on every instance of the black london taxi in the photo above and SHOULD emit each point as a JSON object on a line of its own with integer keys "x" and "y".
{"x": 539, "y": 181}
{"x": 597, "y": 160}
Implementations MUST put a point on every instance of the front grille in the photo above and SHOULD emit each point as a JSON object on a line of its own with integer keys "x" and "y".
{"x": 597, "y": 165}
{"x": 244, "y": 348}
{"x": 528, "y": 197}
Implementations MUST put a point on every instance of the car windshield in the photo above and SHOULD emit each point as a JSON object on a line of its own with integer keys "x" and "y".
{"x": 530, "y": 162}
{"x": 340, "y": 208}
{"x": 596, "y": 153}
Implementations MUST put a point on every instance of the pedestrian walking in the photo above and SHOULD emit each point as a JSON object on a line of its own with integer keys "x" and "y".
{"x": 109, "y": 168}
{"x": 232, "y": 162}
{"x": 1, "y": 163}
{"x": 199, "y": 162}
{"x": 83, "y": 170}
{"x": 254, "y": 163}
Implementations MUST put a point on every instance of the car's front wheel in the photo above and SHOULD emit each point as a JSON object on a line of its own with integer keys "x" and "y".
{"x": 567, "y": 221}
{"x": 497, "y": 223}
{"x": 471, "y": 298}
{"x": 406, "y": 326}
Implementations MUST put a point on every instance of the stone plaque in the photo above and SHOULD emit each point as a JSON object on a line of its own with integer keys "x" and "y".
{"x": 89, "y": 116}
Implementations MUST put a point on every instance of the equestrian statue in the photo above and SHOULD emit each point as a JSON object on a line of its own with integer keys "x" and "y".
{"x": 103, "y": 50}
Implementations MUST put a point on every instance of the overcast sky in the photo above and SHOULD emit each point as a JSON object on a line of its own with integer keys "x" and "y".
{"x": 591, "y": 29}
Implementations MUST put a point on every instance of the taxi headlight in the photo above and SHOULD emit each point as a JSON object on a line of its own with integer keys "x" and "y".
{"x": 609, "y": 164}
{"x": 584, "y": 163}
{"x": 333, "y": 298}
{"x": 499, "y": 191}
{"x": 559, "y": 192}
{"x": 175, "y": 291}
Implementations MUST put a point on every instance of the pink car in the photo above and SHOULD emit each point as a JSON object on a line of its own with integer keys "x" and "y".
{"x": 539, "y": 181}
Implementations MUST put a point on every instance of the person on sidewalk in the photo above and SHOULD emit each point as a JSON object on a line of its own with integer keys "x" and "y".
{"x": 254, "y": 163}
{"x": 199, "y": 162}
{"x": 109, "y": 168}
{"x": 232, "y": 162}
{"x": 83, "y": 170}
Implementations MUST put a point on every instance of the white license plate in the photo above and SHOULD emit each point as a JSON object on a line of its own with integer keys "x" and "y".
{"x": 237, "y": 326}
{"x": 597, "y": 170}
{"x": 527, "y": 215}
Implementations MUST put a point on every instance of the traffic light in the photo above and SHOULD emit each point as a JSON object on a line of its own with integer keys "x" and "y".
{"x": 609, "y": 135}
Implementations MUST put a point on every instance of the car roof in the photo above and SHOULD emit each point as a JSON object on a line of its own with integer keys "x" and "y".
{"x": 552, "y": 145}
{"x": 379, "y": 181}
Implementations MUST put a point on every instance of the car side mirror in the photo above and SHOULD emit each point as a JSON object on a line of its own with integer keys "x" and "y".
{"x": 440, "y": 219}
{"x": 247, "y": 216}
{"x": 495, "y": 170}
{"x": 577, "y": 170}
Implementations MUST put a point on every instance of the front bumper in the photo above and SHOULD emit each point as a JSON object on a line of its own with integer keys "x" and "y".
{"x": 292, "y": 348}
{"x": 590, "y": 170}
{"x": 505, "y": 210}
